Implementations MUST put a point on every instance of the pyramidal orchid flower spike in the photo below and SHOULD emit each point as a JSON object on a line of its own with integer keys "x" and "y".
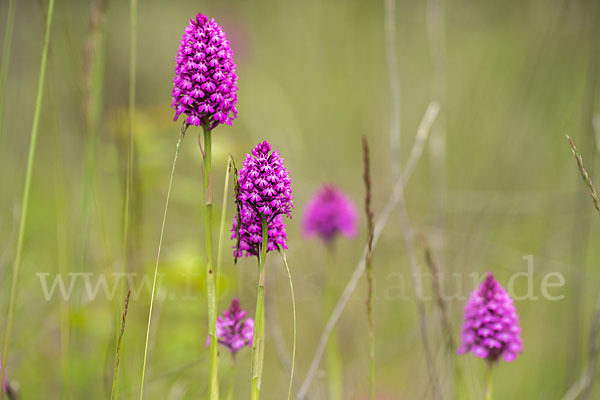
{"x": 264, "y": 193}
{"x": 263, "y": 196}
{"x": 234, "y": 330}
{"x": 328, "y": 214}
{"x": 491, "y": 328}
{"x": 205, "y": 90}
{"x": 205, "y": 83}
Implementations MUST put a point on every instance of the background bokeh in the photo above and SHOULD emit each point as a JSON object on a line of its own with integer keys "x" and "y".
{"x": 512, "y": 78}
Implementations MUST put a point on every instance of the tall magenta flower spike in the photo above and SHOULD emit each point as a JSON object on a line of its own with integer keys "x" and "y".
{"x": 264, "y": 193}
{"x": 234, "y": 330}
{"x": 491, "y": 328}
{"x": 330, "y": 213}
{"x": 263, "y": 197}
{"x": 205, "y": 83}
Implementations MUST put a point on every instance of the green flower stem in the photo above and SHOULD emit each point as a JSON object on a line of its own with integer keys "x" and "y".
{"x": 258, "y": 340}
{"x": 232, "y": 378}
{"x": 162, "y": 231}
{"x": 26, "y": 192}
{"x": 459, "y": 384}
{"x": 332, "y": 351}
{"x": 210, "y": 275}
{"x": 488, "y": 384}
{"x": 287, "y": 268}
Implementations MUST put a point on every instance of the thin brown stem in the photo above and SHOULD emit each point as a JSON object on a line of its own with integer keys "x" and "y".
{"x": 118, "y": 351}
{"x": 447, "y": 332}
{"x": 436, "y": 286}
{"x": 584, "y": 175}
{"x": 369, "y": 263}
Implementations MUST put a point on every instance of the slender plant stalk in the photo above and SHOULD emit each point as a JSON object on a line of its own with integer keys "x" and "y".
{"x": 437, "y": 142}
{"x": 231, "y": 387}
{"x": 418, "y": 286}
{"x": 210, "y": 274}
{"x": 259, "y": 319}
{"x": 334, "y": 363}
{"x": 222, "y": 226}
{"x": 160, "y": 240}
{"x": 93, "y": 69}
{"x": 274, "y": 328}
{"x": 581, "y": 227}
{"x": 6, "y": 48}
{"x": 129, "y": 174}
{"x": 415, "y": 273}
{"x": 440, "y": 302}
{"x": 585, "y": 388}
{"x": 396, "y": 172}
{"x": 382, "y": 220}
{"x": 450, "y": 343}
{"x": 118, "y": 350}
{"x": 287, "y": 268}
{"x": 26, "y": 192}
{"x": 94, "y": 56}
{"x": 392, "y": 64}
{"x": 584, "y": 175}
{"x": 488, "y": 384}
{"x": 369, "y": 264}
{"x": 129, "y": 177}
{"x": 92, "y": 100}
{"x": 65, "y": 325}
{"x": 61, "y": 233}
{"x": 596, "y": 129}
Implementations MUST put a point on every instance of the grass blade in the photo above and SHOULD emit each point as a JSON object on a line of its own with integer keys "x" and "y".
{"x": 584, "y": 385}
{"x": 160, "y": 240}
{"x": 26, "y": 192}
{"x": 6, "y": 49}
{"x": 369, "y": 264}
{"x": 287, "y": 268}
{"x": 129, "y": 178}
{"x": 222, "y": 224}
{"x": 118, "y": 351}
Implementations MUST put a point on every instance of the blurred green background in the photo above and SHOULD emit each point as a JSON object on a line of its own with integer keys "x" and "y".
{"x": 513, "y": 78}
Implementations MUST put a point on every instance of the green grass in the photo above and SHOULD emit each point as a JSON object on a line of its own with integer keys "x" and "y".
{"x": 6, "y": 50}
{"x": 25, "y": 198}
{"x": 312, "y": 80}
